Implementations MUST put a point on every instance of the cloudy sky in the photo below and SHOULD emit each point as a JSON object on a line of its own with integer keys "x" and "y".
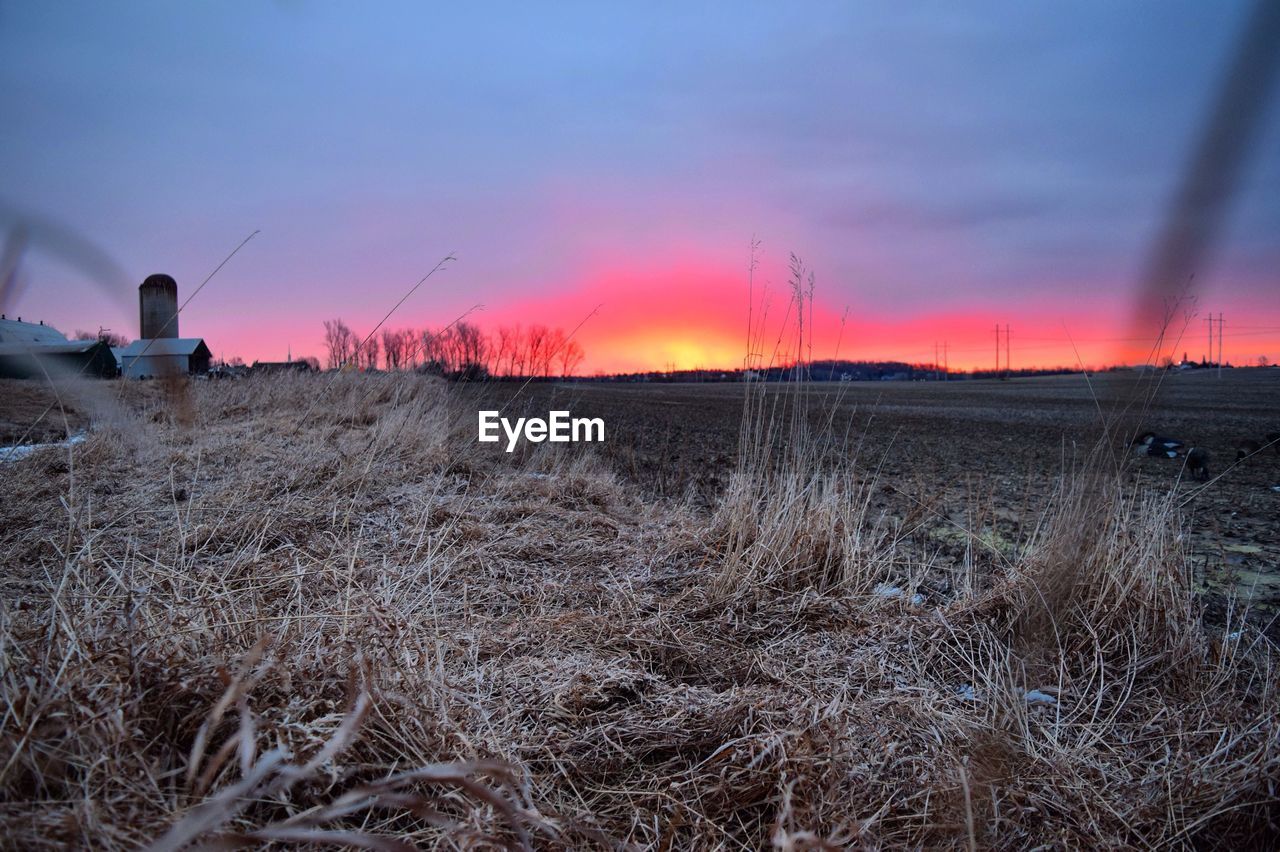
{"x": 941, "y": 168}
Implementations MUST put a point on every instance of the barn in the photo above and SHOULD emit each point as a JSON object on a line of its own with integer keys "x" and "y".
{"x": 164, "y": 356}
{"x": 34, "y": 350}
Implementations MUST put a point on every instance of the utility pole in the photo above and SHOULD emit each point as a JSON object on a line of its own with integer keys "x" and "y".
{"x": 1219, "y": 344}
{"x": 1209, "y": 357}
{"x": 946, "y": 368}
{"x": 997, "y": 373}
{"x": 1008, "y": 364}
{"x": 935, "y": 360}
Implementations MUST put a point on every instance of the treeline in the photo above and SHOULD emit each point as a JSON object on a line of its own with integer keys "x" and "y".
{"x": 106, "y": 335}
{"x": 458, "y": 351}
{"x": 832, "y": 371}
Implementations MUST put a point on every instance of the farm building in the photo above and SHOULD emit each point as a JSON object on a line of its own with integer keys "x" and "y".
{"x": 160, "y": 351}
{"x": 164, "y": 356}
{"x": 33, "y": 350}
{"x": 282, "y": 367}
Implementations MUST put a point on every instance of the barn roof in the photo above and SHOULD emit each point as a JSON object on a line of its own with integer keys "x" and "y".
{"x": 60, "y": 347}
{"x": 165, "y": 346}
{"x": 16, "y": 331}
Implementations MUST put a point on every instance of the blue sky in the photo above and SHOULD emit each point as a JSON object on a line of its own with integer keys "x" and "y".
{"x": 940, "y": 159}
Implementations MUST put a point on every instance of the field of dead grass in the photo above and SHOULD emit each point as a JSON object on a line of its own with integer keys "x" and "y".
{"x": 309, "y": 610}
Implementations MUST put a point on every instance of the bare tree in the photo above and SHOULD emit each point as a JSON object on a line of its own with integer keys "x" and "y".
{"x": 502, "y": 351}
{"x": 556, "y": 344}
{"x": 463, "y": 350}
{"x": 473, "y": 346}
{"x": 452, "y": 345}
{"x": 516, "y": 364}
{"x": 408, "y": 348}
{"x": 104, "y": 335}
{"x": 433, "y": 345}
{"x": 339, "y": 342}
{"x": 536, "y": 361}
{"x": 392, "y": 348}
{"x": 369, "y": 353}
{"x": 570, "y": 359}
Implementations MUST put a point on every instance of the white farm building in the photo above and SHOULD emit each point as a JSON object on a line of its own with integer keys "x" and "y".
{"x": 164, "y": 356}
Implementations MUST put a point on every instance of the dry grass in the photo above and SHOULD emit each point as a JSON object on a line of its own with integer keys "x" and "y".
{"x": 359, "y": 629}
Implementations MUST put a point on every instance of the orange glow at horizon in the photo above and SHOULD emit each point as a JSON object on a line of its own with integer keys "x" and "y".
{"x": 693, "y": 314}
{"x": 684, "y": 316}
{"x": 671, "y": 348}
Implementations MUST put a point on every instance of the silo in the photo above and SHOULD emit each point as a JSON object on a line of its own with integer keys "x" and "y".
{"x": 158, "y": 307}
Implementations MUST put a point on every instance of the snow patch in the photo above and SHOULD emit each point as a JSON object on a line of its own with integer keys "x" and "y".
{"x": 1035, "y": 696}
{"x": 886, "y": 590}
{"x": 17, "y": 452}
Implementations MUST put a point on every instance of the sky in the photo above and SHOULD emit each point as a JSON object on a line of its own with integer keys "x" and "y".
{"x": 940, "y": 167}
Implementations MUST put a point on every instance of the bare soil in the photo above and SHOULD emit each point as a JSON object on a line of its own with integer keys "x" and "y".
{"x": 993, "y": 450}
